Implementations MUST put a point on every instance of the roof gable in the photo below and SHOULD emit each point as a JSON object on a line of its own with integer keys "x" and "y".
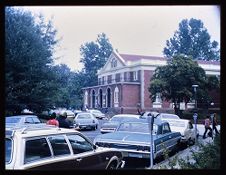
{"x": 115, "y": 61}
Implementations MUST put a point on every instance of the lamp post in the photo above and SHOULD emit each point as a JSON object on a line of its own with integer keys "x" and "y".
{"x": 212, "y": 116}
{"x": 195, "y": 116}
{"x": 195, "y": 86}
{"x": 150, "y": 120}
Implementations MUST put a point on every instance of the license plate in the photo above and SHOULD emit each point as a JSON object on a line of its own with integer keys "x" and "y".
{"x": 135, "y": 155}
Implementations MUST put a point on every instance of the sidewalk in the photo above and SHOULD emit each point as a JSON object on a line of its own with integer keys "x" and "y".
{"x": 183, "y": 155}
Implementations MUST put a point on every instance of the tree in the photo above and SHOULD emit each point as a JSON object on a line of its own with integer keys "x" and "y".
{"x": 192, "y": 39}
{"x": 94, "y": 57}
{"x": 29, "y": 43}
{"x": 174, "y": 81}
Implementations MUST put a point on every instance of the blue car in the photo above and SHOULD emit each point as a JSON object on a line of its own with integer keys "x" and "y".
{"x": 133, "y": 139}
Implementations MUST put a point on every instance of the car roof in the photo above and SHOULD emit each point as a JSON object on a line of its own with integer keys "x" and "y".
{"x": 157, "y": 122}
{"x": 39, "y": 130}
{"x": 16, "y": 116}
{"x": 127, "y": 115}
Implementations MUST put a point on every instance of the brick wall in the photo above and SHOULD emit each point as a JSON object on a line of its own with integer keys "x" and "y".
{"x": 131, "y": 95}
{"x": 147, "y": 76}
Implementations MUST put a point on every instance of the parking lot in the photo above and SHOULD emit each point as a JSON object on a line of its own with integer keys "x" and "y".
{"x": 143, "y": 164}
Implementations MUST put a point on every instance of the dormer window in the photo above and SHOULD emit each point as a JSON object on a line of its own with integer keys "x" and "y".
{"x": 113, "y": 63}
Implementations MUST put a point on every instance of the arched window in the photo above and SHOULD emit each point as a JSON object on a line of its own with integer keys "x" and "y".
{"x": 116, "y": 95}
{"x": 86, "y": 98}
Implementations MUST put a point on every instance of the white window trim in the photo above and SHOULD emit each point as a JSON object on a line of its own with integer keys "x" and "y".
{"x": 135, "y": 76}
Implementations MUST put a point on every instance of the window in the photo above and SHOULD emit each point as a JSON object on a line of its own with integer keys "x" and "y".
{"x": 84, "y": 116}
{"x": 116, "y": 95}
{"x": 135, "y": 75}
{"x": 113, "y": 63}
{"x": 29, "y": 120}
{"x": 118, "y": 77}
{"x": 103, "y": 80}
{"x": 8, "y": 150}
{"x": 109, "y": 79}
{"x": 79, "y": 144}
{"x": 165, "y": 128}
{"x": 190, "y": 126}
{"x": 36, "y": 120}
{"x": 59, "y": 145}
{"x": 36, "y": 149}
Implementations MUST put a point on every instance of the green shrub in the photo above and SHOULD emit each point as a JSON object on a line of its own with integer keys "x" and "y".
{"x": 208, "y": 157}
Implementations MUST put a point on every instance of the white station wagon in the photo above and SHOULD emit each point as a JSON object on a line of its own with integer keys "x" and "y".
{"x": 53, "y": 148}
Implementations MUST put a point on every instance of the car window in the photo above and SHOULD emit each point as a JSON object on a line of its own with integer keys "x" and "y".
{"x": 122, "y": 118}
{"x": 84, "y": 116}
{"x": 29, "y": 120}
{"x": 12, "y": 120}
{"x": 79, "y": 144}
{"x": 59, "y": 145}
{"x": 165, "y": 128}
{"x": 176, "y": 123}
{"x": 36, "y": 120}
{"x": 8, "y": 150}
{"x": 190, "y": 126}
{"x": 36, "y": 149}
{"x": 137, "y": 127}
{"x": 169, "y": 116}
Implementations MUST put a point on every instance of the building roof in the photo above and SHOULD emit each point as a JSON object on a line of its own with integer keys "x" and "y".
{"x": 130, "y": 57}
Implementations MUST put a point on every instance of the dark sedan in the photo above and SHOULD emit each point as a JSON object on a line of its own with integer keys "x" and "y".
{"x": 133, "y": 139}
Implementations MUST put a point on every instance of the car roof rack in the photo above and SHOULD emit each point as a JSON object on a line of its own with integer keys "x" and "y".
{"x": 32, "y": 128}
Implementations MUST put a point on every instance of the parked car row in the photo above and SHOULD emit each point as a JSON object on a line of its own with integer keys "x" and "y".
{"x": 31, "y": 144}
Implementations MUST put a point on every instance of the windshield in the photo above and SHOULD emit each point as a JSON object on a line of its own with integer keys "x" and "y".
{"x": 8, "y": 150}
{"x": 84, "y": 116}
{"x": 177, "y": 123}
{"x": 12, "y": 119}
{"x": 97, "y": 112}
{"x": 169, "y": 116}
{"x": 137, "y": 127}
{"x": 120, "y": 118}
{"x": 36, "y": 120}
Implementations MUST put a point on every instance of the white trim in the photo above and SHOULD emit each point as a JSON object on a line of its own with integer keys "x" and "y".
{"x": 142, "y": 89}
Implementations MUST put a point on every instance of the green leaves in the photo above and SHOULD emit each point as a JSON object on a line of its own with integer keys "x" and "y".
{"x": 94, "y": 57}
{"x": 174, "y": 81}
{"x": 192, "y": 39}
{"x": 27, "y": 53}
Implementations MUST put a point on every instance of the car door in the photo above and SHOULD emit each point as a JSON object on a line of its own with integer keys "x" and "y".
{"x": 85, "y": 155}
{"x": 165, "y": 138}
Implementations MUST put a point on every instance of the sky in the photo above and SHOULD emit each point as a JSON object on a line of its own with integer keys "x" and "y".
{"x": 141, "y": 30}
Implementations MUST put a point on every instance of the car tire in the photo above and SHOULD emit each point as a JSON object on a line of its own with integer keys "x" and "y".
{"x": 112, "y": 166}
{"x": 191, "y": 141}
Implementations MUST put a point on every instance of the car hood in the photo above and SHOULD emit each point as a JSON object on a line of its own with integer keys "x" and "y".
{"x": 125, "y": 137}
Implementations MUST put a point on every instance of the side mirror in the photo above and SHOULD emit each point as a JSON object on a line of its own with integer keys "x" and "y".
{"x": 94, "y": 147}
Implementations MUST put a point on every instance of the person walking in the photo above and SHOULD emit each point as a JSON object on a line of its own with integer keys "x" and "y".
{"x": 63, "y": 123}
{"x": 52, "y": 120}
{"x": 207, "y": 126}
{"x": 215, "y": 123}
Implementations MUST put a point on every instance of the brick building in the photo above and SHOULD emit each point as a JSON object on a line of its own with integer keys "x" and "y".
{"x": 124, "y": 80}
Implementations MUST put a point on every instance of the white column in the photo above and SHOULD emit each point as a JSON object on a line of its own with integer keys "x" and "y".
{"x": 142, "y": 88}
